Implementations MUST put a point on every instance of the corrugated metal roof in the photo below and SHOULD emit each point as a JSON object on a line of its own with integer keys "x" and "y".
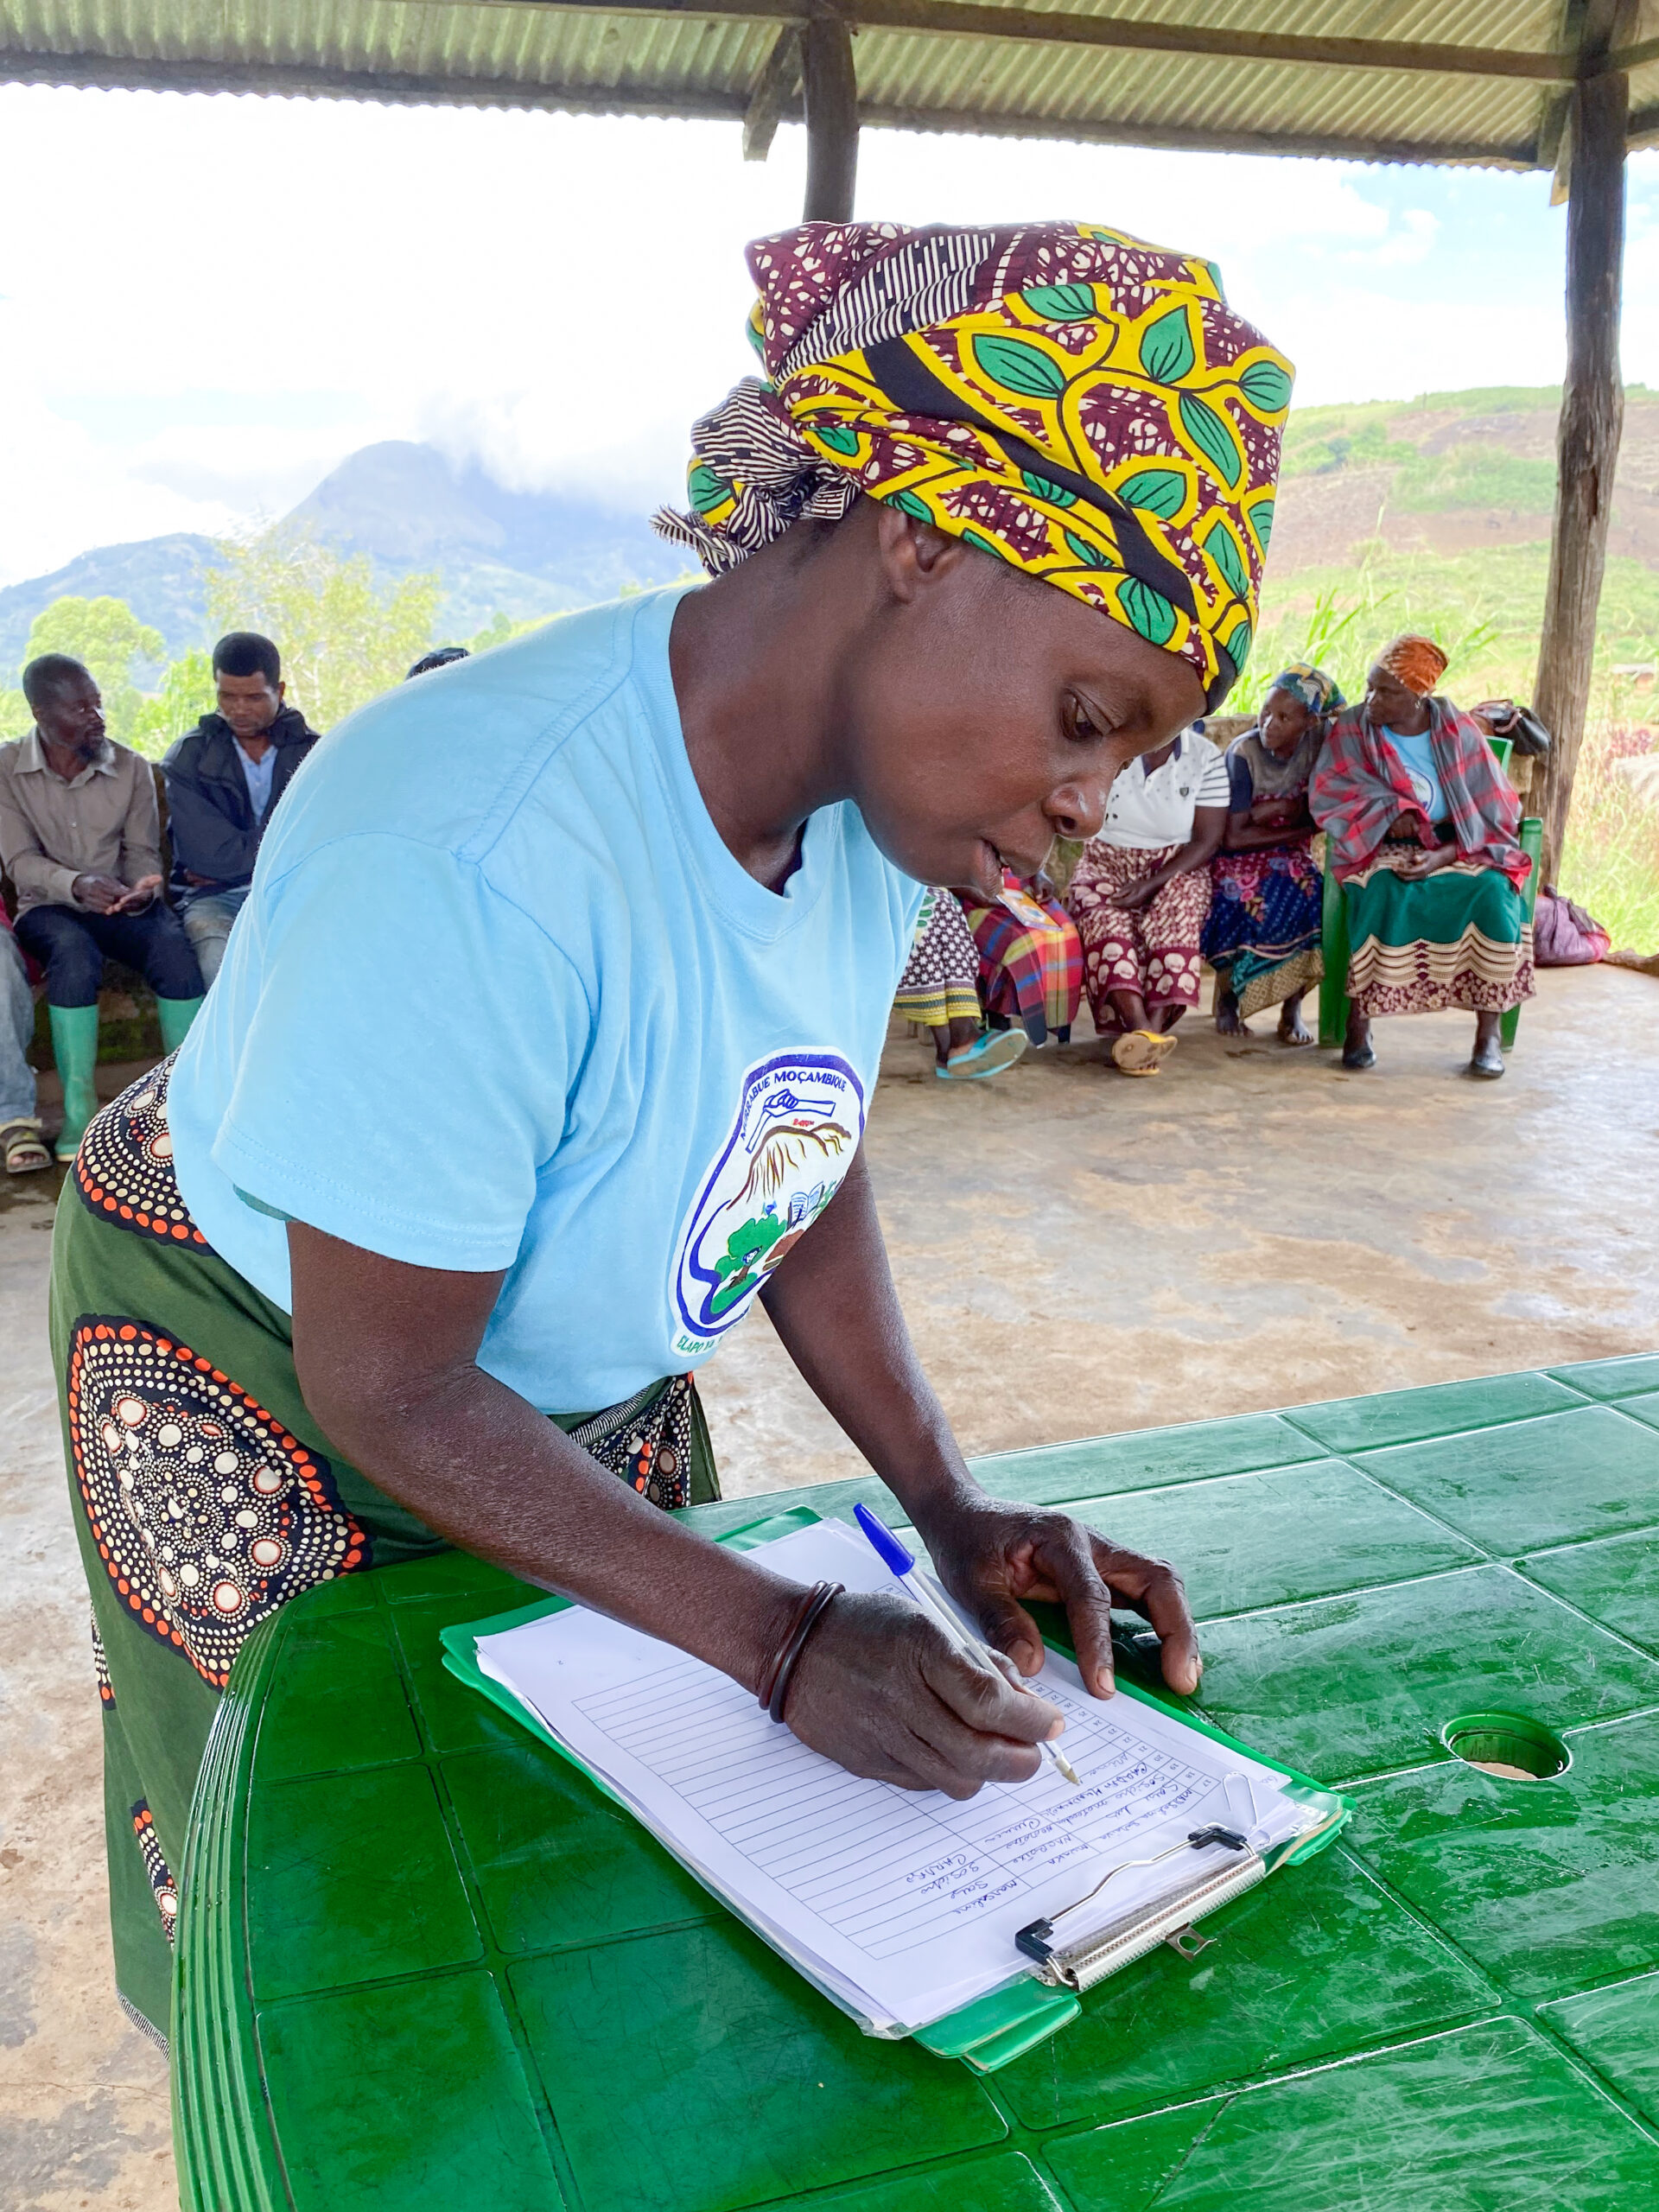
{"x": 1108, "y": 71}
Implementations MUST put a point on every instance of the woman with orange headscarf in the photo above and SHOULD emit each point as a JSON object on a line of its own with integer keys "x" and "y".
{"x": 1421, "y": 829}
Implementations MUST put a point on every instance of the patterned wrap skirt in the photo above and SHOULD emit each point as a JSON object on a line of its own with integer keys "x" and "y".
{"x": 205, "y": 1495}
{"x": 1460, "y": 937}
{"x": 1153, "y": 949}
{"x": 1266, "y": 921}
{"x": 1030, "y": 963}
{"x": 940, "y": 983}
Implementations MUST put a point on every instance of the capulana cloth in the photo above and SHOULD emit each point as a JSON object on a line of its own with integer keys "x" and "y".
{"x": 1030, "y": 960}
{"x": 940, "y": 982}
{"x": 1060, "y": 395}
{"x": 1418, "y": 662}
{"x": 1316, "y": 691}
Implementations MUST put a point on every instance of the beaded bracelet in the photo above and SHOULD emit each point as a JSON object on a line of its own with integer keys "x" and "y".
{"x": 779, "y": 1671}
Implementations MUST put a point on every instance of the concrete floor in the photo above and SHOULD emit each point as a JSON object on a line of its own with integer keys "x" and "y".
{"x": 1077, "y": 1252}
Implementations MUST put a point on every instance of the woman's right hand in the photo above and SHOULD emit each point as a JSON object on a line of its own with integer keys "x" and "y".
{"x": 1428, "y": 862}
{"x": 880, "y": 1690}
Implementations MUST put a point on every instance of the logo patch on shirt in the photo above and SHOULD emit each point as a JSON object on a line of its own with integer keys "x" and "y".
{"x": 799, "y": 1123}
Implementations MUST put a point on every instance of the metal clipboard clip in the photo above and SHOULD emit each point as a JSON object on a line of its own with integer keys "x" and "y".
{"x": 1168, "y": 1919}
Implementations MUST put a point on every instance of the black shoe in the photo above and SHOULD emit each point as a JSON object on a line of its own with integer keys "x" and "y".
{"x": 1486, "y": 1061}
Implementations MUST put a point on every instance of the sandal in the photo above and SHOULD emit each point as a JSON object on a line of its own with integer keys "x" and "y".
{"x": 1142, "y": 1051}
{"x": 987, "y": 1056}
{"x": 22, "y": 1148}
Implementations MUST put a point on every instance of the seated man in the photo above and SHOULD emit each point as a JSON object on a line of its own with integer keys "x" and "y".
{"x": 224, "y": 779}
{"x": 81, "y": 837}
{"x": 21, "y": 1146}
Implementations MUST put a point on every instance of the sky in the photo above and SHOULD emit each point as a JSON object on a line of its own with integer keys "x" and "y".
{"x": 213, "y": 301}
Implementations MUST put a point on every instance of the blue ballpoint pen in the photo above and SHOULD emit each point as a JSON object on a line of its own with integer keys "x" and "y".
{"x": 893, "y": 1555}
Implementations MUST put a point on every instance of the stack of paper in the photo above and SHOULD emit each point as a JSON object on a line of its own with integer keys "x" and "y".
{"x": 900, "y": 1905}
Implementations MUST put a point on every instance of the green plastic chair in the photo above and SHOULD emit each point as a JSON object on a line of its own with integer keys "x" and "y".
{"x": 1333, "y": 986}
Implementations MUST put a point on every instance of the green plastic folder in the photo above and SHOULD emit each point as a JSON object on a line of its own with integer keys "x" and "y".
{"x": 1001, "y": 2026}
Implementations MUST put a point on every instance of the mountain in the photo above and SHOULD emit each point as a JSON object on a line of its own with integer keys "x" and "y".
{"x": 160, "y": 578}
{"x": 408, "y": 507}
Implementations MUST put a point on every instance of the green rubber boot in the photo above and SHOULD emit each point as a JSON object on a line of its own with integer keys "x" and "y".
{"x": 177, "y": 1014}
{"x": 74, "y": 1047}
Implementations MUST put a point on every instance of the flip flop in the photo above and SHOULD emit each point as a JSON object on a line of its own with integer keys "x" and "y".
{"x": 1142, "y": 1051}
{"x": 987, "y": 1056}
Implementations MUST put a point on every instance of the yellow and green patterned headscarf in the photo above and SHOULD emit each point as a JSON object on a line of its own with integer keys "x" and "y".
{"x": 1082, "y": 406}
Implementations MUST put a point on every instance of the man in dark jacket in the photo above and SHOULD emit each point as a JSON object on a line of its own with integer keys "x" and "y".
{"x": 224, "y": 777}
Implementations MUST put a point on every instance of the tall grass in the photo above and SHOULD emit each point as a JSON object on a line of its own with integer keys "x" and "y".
{"x": 1612, "y": 861}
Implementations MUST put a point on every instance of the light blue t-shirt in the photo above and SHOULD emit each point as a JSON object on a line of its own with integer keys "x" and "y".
{"x": 1418, "y": 755}
{"x": 500, "y": 997}
{"x": 257, "y": 775}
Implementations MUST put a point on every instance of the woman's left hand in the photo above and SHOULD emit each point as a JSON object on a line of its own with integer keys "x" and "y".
{"x": 1141, "y": 892}
{"x": 992, "y": 1556}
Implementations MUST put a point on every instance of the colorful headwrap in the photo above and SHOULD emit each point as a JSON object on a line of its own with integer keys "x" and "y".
{"x": 1081, "y": 405}
{"x": 1317, "y": 691}
{"x": 1418, "y": 662}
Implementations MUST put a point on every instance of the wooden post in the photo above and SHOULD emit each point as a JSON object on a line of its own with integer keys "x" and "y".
{"x": 829, "y": 86}
{"x": 1587, "y": 443}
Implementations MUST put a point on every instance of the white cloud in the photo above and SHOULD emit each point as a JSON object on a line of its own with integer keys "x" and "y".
{"x": 64, "y": 492}
{"x": 1413, "y": 242}
{"x": 248, "y": 469}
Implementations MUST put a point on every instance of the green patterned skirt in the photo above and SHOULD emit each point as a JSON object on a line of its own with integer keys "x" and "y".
{"x": 1460, "y": 938}
{"x": 205, "y": 1495}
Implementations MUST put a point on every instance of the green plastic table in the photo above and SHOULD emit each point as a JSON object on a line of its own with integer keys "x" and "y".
{"x": 422, "y": 1964}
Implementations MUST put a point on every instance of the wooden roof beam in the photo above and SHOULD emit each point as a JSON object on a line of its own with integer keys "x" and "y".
{"x": 958, "y": 18}
{"x": 1192, "y": 138}
{"x": 1123, "y": 35}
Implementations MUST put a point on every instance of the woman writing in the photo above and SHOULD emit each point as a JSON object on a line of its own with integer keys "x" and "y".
{"x": 1263, "y": 935}
{"x": 516, "y": 1089}
{"x": 1421, "y": 829}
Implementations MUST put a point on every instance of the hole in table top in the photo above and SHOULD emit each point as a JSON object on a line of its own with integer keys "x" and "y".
{"x": 1507, "y": 1744}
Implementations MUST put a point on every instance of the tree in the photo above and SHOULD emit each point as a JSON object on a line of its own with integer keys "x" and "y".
{"x": 186, "y": 694}
{"x": 343, "y": 637}
{"x": 106, "y": 637}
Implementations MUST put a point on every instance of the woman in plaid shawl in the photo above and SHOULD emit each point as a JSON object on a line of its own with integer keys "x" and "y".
{"x": 1421, "y": 831}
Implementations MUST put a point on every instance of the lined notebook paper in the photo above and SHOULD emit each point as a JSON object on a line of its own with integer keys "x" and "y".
{"x": 903, "y": 1905}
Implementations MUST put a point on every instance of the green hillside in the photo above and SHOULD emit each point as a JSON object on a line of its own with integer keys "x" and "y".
{"x": 1483, "y": 608}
